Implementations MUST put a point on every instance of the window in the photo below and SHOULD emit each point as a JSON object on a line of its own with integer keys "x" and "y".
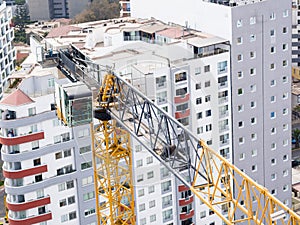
{"x": 88, "y": 196}
{"x": 86, "y": 165}
{"x": 84, "y": 133}
{"x": 272, "y": 83}
{"x": 85, "y": 149}
{"x": 284, "y": 47}
{"x": 285, "y": 127}
{"x": 239, "y": 23}
{"x": 272, "y": 16}
{"x": 272, "y": 66}
{"x": 70, "y": 184}
{"x": 242, "y": 156}
{"x": 273, "y": 130}
{"x": 285, "y": 95}
{"x": 253, "y": 87}
{"x": 273, "y": 49}
{"x": 199, "y": 115}
{"x": 273, "y": 176}
{"x": 198, "y": 101}
{"x": 197, "y": 70}
{"x": 152, "y": 218}
{"x": 254, "y": 152}
{"x": 239, "y": 57}
{"x": 252, "y": 37}
{"x": 285, "y": 187}
{"x": 241, "y": 124}
{"x": 150, "y": 175}
{"x": 285, "y": 173}
{"x": 199, "y": 130}
{"x": 179, "y": 77}
{"x": 202, "y": 214}
{"x": 222, "y": 67}
{"x": 206, "y": 68}
{"x": 35, "y": 145}
{"x": 62, "y": 202}
{"x": 285, "y": 111}
{"x": 141, "y": 192}
{"x": 151, "y": 189}
{"x": 272, "y": 33}
{"x": 51, "y": 82}
{"x": 149, "y": 159}
{"x": 207, "y": 98}
{"x": 273, "y": 146}
{"x": 252, "y": 20}
{"x": 285, "y": 157}
{"x": 273, "y": 191}
{"x": 142, "y": 207}
{"x": 166, "y": 186}
{"x": 208, "y": 127}
{"x": 239, "y": 74}
{"x": 253, "y": 104}
{"x": 241, "y": 140}
{"x": 273, "y": 98}
{"x": 240, "y": 108}
{"x": 67, "y": 153}
{"x": 89, "y": 212}
{"x": 143, "y": 221}
{"x": 253, "y": 136}
{"x": 166, "y": 201}
{"x": 239, "y": 40}
{"x": 139, "y": 163}
{"x": 254, "y": 168}
{"x": 61, "y": 187}
{"x": 198, "y": 86}
{"x": 72, "y": 215}
{"x": 167, "y": 215}
{"x": 252, "y": 54}
{"x": 64, "y": 218}
{"x": 152, "y": 204}
{"x": 273, "y": 115}
{"x": 37, "y": 162}
{"x": 38, "y": 178}
{"x": 284, "y": 30}
{"x": 208, "y": 113}
{"x": 31, "y": 111}
{"x": 285, "y": 13}
{"x": 140, "y": 177}
{"x": 240, "y": 91}
{"x": 252, "y": 71}
{"x": 40, "y": 193}
{"x": 284, "y": 63}
{"x": 253, "y": 120}
{"x": 87, "y": 180}
{"x": 273, "y": 162}
{"x": 207, "y": 84}
{"x": 284, "y": 79}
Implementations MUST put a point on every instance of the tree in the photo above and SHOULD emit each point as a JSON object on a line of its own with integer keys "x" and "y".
{"x": 99, "y": 10}
{"x": 20, "y": 20}
{"x": 296, "y": 136}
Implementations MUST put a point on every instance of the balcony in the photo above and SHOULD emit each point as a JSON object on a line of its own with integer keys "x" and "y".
{"x": 223, "y": 114}
{"x": 223, "y": 100}
{"x": 182, "y": 188}
{"x": 182, "y": 114}
{"x": 187, "y": 215}
{"x": 17, "y": 174}
{"x": 182, "y": 99}
{"x": 21, "y": 139}
{"x": 21, "y": 206}
{"x": 223, "y": 85}
{"x": 186, "y": 201}
{"x": 31, "y": 219}
{"x": 223, "y": 128}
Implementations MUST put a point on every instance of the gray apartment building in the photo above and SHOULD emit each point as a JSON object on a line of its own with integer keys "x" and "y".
{"x": 53, "y": 9}
{"x": 260, "y": 37}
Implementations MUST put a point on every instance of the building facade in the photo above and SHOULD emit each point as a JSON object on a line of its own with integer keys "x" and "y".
{"x": 260, "y": 37}
{"x": 47, "y": 166}
{"x": 7, "y": 51}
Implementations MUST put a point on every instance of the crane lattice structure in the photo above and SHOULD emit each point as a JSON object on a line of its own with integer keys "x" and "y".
{"x": 215, "y": 181}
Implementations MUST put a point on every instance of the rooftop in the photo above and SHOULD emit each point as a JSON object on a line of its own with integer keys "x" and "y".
{"x": 16, "y": 98}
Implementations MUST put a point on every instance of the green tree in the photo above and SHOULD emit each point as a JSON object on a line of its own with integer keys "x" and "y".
{"x": 99, "y": 10}
{"x": 20, "y": 21}
{"x": 296, "y": 136}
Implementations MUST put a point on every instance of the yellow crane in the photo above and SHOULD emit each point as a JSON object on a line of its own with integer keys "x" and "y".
{"x": 124, "y": 112}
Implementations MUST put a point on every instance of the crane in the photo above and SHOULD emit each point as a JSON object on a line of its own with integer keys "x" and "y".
{"x": 123, "y": 112}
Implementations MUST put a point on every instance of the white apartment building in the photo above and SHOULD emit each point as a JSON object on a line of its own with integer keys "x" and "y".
{"x": 295, "y": 34}
{"x": 47, "y": 166}
{"x": 186, "y": 73}
{"x": 260, "y": 37}
{"x": 7, "y": 51}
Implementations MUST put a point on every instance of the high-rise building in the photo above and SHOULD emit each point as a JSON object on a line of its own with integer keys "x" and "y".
{"x": 260, "y": 37}
{"x": 7, "y": 51}
{"x": 47, "y": 166}
{"x": 186, "y": 73}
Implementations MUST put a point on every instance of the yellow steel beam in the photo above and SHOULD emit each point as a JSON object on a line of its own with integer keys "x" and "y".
{"x": 113, "y": 175}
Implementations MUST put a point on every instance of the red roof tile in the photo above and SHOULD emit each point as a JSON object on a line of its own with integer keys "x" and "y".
{"x": 16, "y": 98}
{"x": 62, "y": 31}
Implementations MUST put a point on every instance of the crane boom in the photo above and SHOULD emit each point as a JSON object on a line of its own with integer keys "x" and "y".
{"x": 215, "y": 181}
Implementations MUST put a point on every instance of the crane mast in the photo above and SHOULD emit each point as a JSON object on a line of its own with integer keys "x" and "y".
{"x": 123, "y": 110}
